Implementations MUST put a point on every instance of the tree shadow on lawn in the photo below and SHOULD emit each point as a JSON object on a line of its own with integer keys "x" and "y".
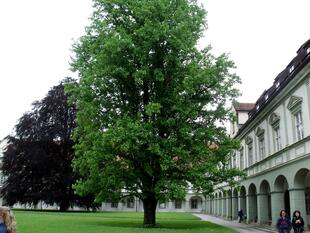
{"x": 163, "y": 224}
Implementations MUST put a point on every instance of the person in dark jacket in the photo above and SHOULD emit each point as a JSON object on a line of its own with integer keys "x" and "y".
{"x": 298, "y": 222}
{"x": 240, "y": 215}
{"x": 284, "y": 223}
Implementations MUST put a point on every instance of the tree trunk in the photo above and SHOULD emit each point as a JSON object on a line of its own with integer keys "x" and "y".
{"x": 64, "y": 205}
{"x": 149, "y": 205}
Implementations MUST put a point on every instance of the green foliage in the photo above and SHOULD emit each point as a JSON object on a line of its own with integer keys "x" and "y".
{"x": 151, "y": 106}
{"x": 49, "y": 222}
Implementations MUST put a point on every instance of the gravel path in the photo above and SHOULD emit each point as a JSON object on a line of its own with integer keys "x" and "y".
{"x": 240, "y": 227}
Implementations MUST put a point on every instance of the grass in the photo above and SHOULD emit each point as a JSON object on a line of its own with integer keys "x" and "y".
{"x": 107, "y": 222}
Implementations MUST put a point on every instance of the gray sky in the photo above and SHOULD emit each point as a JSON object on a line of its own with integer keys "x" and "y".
{"x": 262, "y": 36}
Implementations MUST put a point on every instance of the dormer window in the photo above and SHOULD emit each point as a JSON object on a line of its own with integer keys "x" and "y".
{"x": 277, "y": 84}
{"x": 257, "y": 107}
{"x": 266, "y": 97}
{"x": 291, "y": 69}
{"x": 308, "y": 50}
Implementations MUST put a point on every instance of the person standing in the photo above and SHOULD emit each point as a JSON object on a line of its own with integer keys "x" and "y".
{"x": 298, "y": 222}
{"x": 7, "y": 221}
{"x": 284, "y": 223}
{"x": 240, "y": 215}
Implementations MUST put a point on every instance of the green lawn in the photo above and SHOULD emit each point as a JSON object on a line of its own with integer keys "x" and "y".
{"x": 76, "y": 222}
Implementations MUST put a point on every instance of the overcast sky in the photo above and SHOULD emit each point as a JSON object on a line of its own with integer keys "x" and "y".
{"x": 262, "y": 36}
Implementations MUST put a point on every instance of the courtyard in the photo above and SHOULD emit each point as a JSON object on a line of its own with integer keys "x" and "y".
{"x": 105, "y": 222}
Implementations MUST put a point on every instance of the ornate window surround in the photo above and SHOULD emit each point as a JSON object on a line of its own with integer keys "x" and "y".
{"x": 274, "y": 121}
{"x": 260, "y": 133}
{"x": 295, "y": 106}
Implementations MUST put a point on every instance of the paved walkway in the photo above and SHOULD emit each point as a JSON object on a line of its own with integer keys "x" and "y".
{"x": 240, "y": 227}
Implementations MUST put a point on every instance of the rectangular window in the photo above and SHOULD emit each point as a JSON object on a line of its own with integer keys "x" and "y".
{"x": 178, "y": 204}
{"x": 234, "y": 162}
{"x": 299, "y": 126}
{"x": 250, "y": 154}
{"x": 114, "y": 204}
{"x": 277, "y": 138}
{"x": 130, "y": 203}
{"x": 261, "y": 146}
{"x": 241, "y": 159}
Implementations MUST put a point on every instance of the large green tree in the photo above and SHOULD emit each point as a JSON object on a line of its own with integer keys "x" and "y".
{"x": 150, "y": 104}
{"x": 37, "y": 159}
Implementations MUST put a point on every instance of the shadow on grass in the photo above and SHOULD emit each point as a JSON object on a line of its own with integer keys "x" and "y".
{"x": 163, "y": 224}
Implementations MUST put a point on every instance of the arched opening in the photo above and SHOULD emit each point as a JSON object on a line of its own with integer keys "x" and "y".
{"x": 224, "y": 204}
{"x": 216, "y": 204}
{"x": 235, "y": 204}
{"x": 287, "y": 204}
{"x": 280, "y": 197}
{"x": 242, "y": 200}
{"x": 220, "y": 204}
{"x": 229, "y": 204}
{"x": 264, "y": 203}
{"x": 211, "y": 200}
{"x": 195, "y": 204}
{"x": 210, "y": 206}
{"x": 300, "y": 194}
{"x": 252, "y": 204}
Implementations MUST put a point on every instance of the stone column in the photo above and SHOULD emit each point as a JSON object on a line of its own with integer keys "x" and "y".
{"x": 262, "y": 210}
{"x": 215, "y": 206}
{"x": 242, "y": 204}
{"x": 228, "y": 207}
{"x": 206, "y": 209}
{"x": 224, "y": 207}
{"x": 219, "y": 213}
{"x": 297, "y": 202}
{"x": 235, "y": 207}
{"x": 277, "y": 204}
{"x": 251, "y": 206}
{"x": 187, "y": 205}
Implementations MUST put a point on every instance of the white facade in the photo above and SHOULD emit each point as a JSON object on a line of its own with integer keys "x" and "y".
{"x": 275, "y": 151}
{"x": 194, "y": 203}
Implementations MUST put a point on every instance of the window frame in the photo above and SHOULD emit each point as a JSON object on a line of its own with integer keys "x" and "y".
{"x": 114, "y": 205}
{"x": 178, "y": 204}
{"x": 277, "y": 138}
{"x": 298, "y": 125}
{"x": 130, "y": 203}
{"x": 241, "y": 156}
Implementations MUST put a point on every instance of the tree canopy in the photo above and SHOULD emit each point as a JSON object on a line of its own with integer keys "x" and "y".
{"x": 150, "y": 104}
{"x": 37, "y": 159}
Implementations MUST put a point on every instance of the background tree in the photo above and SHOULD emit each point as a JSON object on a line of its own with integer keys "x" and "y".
{"x": 37, "y": 160}
{"x": 150, "y": 104}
